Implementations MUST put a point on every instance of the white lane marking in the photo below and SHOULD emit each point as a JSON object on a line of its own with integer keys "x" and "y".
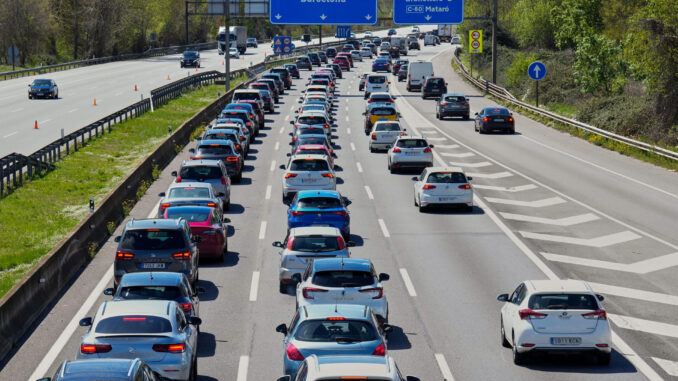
{"x": 352, "y": 146}
{"x": 74, "y": 110}
{"x": 519, "y": 188}
{"x": 277, "y": 146}
{"x": 494, "y": 176}
{"x": 369, "y": 193}
{"x": 243, "y": 364}
{"x": 17, "y": 109}
{"x": 254, "y": 287}
{"x": 346, "y": 106}
{"x": 640, "y": 267}
{"x": 531, "y": 204}
{"x": 282, "y": 129}
{"x": 566, "y": 221}
{"x": 360, "y": 167}
{"x": 598, "y": 242}
{"x": 292, "y": 108}
{"x": 70, "y": 329}
{"x": 444, "y": 368}
{"x": 272, "y": 165}
{"x": 44, "y": 121}
{"x": 644, "y": 325}
{"x": 457, "y": 155}
{"x": 428, "y": 131}
{"x": 670, "y": 367}
{"x": 408, "y": 282}
{"x": 449, "y": 146}
{"x": 10, "y": 134}
{"x": 631, "y": 355}
{"x": 154, "y": 212}
{"x": 383, "y": 228}
{"x": 643, "y": 183}
{"x": 633, "y": 293}
{"x": 436, "y": 139}
{"x": 262, "y": 230}
{"x": 479, "y": 164}
{"x": 268, "y": 192}
{"x": 348, "y": 131}
{"x": 348, "y": 119}
{"x": 287, "y": 118}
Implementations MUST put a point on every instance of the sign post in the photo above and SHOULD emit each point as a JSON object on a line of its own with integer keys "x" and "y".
{"x": 536, "y": 71}
{"x": 283, "y": 45}
{"x": 428, "y": 12}
{"x": 13, "y": 55}
{"x": 475, "y": 45}
{"x": 304, "y": 12}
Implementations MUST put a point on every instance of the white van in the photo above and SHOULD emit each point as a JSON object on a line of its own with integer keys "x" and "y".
{"x": 417, "y": 74}
{"x": 376, "y": 83}
{"x": 429, "y": 39}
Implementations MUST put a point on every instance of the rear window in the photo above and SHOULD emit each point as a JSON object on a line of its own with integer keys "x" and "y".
{"x": 335, "y": 330}
{"x": 312, "y": 151}
{"x": 152, "y": 239}
{"x": 133, "y": 325}
{"x": 315, "y": 244}
{"x": 150, "y": 293}
{"x": 435, "y": 82}
{"x": 383, "y": 111}
{"x": 446, "y": 177}
{"x": 455, "y": 98}
{"x": 412, "y": 143}
{"x": 563, "y": 302}
{"x": 215, "y": 150}
{"x": 388, "y": 127}
{"x": 309, "y": 165}
{"x": 343, "y": 278}
{"x": 376, "y": 79}
{"x": 497, "y": 111}
{"x": 305, "y": 130}
{"x": 312, "y": 140}
{"x": 221, "y": 135}
{"x": 319, "y": 203}
{"x": 189, "y": 214}
{"x": 381, "y": 98}
{"x": 311, "y": 120}
{"x": 246, "y": 96}
{"x": 189, "y": 192}
{"x": 200, "y": 173}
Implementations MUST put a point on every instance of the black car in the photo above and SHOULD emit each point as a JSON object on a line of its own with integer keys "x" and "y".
{"x": 315, "y": 58}
{"x": 452, "y": 105}
{"x": 394, "y": 52}
{"x": 331, "y": 52}
{"x": 433, "y": 87}
{"x": 285, "y": 74}
{"x": 402, "y": 72}
{"x": 43, "y": 88}
{"x": 190, "y": 58}
{"x": 304, "y": 63}
{"x": 397, "y": 64}
{"x": 392, "y": 32}
{"x": 336, "y": 69}
{"x": 376, "y": 41}
{"x": 220, "y": 149}
{"x": 495, "y": 119}
{"x": 293, "y": 69}
{"x": 323, "y": 57}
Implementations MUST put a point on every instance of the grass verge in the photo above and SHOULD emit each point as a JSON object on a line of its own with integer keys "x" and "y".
{"x": 36, "y": 216}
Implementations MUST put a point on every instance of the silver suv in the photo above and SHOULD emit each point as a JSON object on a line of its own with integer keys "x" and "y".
{"x": 410, "y": 152}
{"x": 308, "y": 172}
{"x": 207, "y": 171}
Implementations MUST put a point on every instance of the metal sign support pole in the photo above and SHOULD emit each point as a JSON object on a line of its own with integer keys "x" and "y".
{"x": 186, "y": 22}
{"x": 494, "y": 43}
{"x": 537, "y": 93}
{"x": 320, "y": 33}
{"x": 227, "y": 55}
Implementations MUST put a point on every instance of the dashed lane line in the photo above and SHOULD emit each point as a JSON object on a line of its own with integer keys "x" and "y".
{"x": 408, "y": 282}
{"x": 272, "y": 165}
{"x": 565, "y": 221}
{"x": 519, "y": 188}
{"x": 277, "y": 146}
{"x": 243, "y": 364}
{"x": 492, "y": 176}
{"x": 268, "y": 192}
{"x": 254, "y": 287}
{"x": 262, "y": 230}
{"x": 479, "y": 164}
{"x": 384, "y": 230}
{"x": 597, "y": 242}
{"x": 528, "y": 204}
{"x": 444, "y": 368}
{"x": 369, "y": 192}
{"x": 457, "y": 155}
{"x": 11, "y": 134}
{"x": 360, "y": 167}
{"x": 352, "y": 146}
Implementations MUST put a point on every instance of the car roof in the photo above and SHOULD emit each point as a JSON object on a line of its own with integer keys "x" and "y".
{"x": 154, "y": 223}
{"x": 309, "y": 156}
{"x": 243, "y": 91}
{"x": 318, "y": 193}
{"x": 221, "y": 142}
{"x": 445, "y": 169}
{"x": 381, "y": 94}
{"x": 353, "y": 264}
{"x": 111, "y": 368}
{"x": 152, "y": 278}
{"x": 349, "y": 311}
{"x": 311, "y": 230}
{"x": 558, "y": 286}
{"x": 352, "y": 365}
{"x": 201, "y": 162}
{"x": 190, "y": 184}
{"x": 137, "y": 307}
{"x": 454, "y": 95}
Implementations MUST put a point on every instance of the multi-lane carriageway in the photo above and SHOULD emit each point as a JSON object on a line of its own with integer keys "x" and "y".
{"x": 548, "y": 206}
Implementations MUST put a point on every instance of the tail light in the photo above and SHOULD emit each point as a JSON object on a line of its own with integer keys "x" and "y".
{"x": 182, "y": 255}
{"x": 597, "y": 314}
{"x": 249, "y": 124}
{"x": 464, "y": 186}
{"x": 242, "y": 138}
{"x": 290, "y": 243}
{"x": 340, "y": 213}
{"x": 327, "y": 174}
{"x": 485, "y": 119}
{"x": 327, "y": 126}
{"x": 530, "y": 314}
{"x": 245, "y": 130}
{"x": 342, "y": 244}
{"x": 186, "y": 307}
{"x": 374, "y": 136}
{"x": 465, "y": 104}
{"x": 306, "y": 290}
{"x": 293, "y": 353}
{"x": 380, "y": 350}
{"x": 295, "y": 213}
{"x": 289, "y": 175}
{"x": 171, "y": 348}
{"x": 232, "y": 159}
{"x": 223, "y": 180}
{"x": 409, "y": 76}
{"x": 444, "y": 103}
{"x": 178, "y": 179}
{"x": 123, "y": 256}
{"x": 429, "y": 186}
{"x": 211, "y": 204}
{"x": 378, "y": 290}
{"x": 427, "y": 149}
{"x": 510, "y": 119}
{"x": 397, "y": 150}
{"x": 369, "y": 101}
{"x": 196, "y": 157}
{"x": 89, "y": 349}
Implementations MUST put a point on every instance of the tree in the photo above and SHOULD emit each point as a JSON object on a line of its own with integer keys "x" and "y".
{"x": 599, "y": 66}
{"x": 532, "y": 26}
{"x": 574, "y": 19}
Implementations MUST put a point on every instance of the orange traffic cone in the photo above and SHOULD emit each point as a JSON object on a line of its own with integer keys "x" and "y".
{"x": 95, "y": 101}
{"x": 135, "y": 87}
{"x": 196, "y": 69}
{"x": 168, "y": 77}
{"x": 36, "y": 124}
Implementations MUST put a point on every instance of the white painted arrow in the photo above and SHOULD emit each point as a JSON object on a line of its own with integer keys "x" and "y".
{"x": 428, "y": 17}
{"x": 625, "y": 292}
{"x": 532, "y": 204}
{"x": 459, "y": 155}
{"x": 604, "y": 241}
{"x": 450, "y": 146}
{"x": 670, "y": 367}
{"x": 567, "y": 221}
{"x": 323, "y": 16}
{"x": 640, "y": 267}
{"x": 278, "y": 17}
{"x": 498, "y": 175}
{"x": 436, "y": 139}
{"x": 643, "y": 325}
{"x": 536, "y": 71}
{"x": 472, "y": 165}
{"x": 368, "y": 17}
{"x": 519, "y": 188}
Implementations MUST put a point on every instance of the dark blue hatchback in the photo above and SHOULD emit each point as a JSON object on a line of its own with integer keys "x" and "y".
{"x": 324, "y": 208}
{"x": 381, "y": 64}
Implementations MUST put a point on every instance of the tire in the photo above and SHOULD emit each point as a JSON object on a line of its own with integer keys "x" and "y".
{"x": 422, "y": 209}
{"x": 238, "y": 178}
{"x": 372, "y": 149}
{"x": 282, "y": 287}
{"x": 603, "y": 358}
{"x": 468, "y": 209}
{"x": 466, "y": 117}
{"x": 414, "y": 199}
{"x": 512, "y": 131}
{"x": 518, "y": 358}
{"x": 438, "y": 116}
{"x": 194, "y": 371}
{"x": 504, "y": 343}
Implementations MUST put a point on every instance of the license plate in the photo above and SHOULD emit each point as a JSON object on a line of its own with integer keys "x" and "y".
{"x": 446, "y": 198}
{"x": 153, "y": 265}
{"x": 411, "y": 153}
{"x": 308, "y": 181}
{"x": 566, "y": 340}
{"x": 498, "y": 120}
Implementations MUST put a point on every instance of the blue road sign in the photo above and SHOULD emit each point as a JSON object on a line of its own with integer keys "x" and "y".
{"x": 536, "y": 70}
{"x": 323, "y": 12}
{"x": 283, "y": 45}
{"x": 343, "y": 31}
{"x": 428, "y": 11}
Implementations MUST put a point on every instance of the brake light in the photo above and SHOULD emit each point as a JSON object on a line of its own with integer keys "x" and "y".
{"x": 139, "y": 318}
{"x": 293, "y": 353}
{"x": 374, "y": 136}
{"x": 427, "y": 149}
{"x": 186, "y": 307}
{"x": 88, "y": 349}
{"x": 196, "y": 158}
{"x": 369, "y": 101}
{"x": 306, "y": 290}
{"x": 242, "y": 138}
{"x": 380, "y": 350}
{"x": 295, "y": 213}
{"x": 182, "y": 255}
{"x": 429, "y": 186}
{"x": 530, "y": 314}
{"x": 290, "y": 243}
{"x": 289, "y": 175}
{"x": 597, "y": 314}
{"x": 123, "y": 256}
{"x": 444, "y": 103}
{"x": 171, "y": 348}
{"x": 485, "y": 119}
{"x": 510, "y": 119}
{"x": 231, "y": 158}
{"x": 464, "y": 186}
{"x": 465, "y": 104}
{"x": 335, "y": 318}
{"x": 340, "y": 213}
{"x": 342, "y": 244}
{"x": 327, "y": 174}
{"x": 223, "y": 180}
{"x": 397, "y": 150}
{"x": 178, "y": 179}
{"x": 379, "y": 290}
{"x": 211, "y": 204}
{"x": 245, "y": 130}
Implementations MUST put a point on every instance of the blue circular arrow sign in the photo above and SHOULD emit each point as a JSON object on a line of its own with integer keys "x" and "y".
{"x": 536, "y": 70}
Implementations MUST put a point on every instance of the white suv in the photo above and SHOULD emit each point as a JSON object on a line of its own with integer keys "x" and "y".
{"x": 308, "y": 172}
{"x": 337, "y": 367}
{"x": 554, "y": 315}
{"x": 376, "y": 83}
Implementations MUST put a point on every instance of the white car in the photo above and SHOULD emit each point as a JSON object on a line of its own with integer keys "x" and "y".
{"x": 554, "y": 315}
{"x": 376, "y": 83}
{"x": 384, "y": 134}
{"x": 344, "y": 281}
{"x": 368, "y": 34}
{"x": 355, "y": 54}
{"x": 366, "y": 52}
{"x": 410, "y": 152}
{"x": 233, "y": 52}
{"x": 443, "y": 186}
{"x": 349, "y": 367}
{"x": 307, "y": 172}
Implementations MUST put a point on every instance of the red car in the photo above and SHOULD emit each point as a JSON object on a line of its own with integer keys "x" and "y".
{"x": 206, "y": 223}
{"x": 257, "y": 110}
{"x": 315, "y": 149}
{"x": 347, "y": 55}
{"x": 343, "y": 63}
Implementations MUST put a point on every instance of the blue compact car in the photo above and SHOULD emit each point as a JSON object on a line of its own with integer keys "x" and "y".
{"x": 322, "y": 207}
{"x": 381, "y": 64}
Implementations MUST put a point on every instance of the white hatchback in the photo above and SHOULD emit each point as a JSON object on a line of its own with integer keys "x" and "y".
{"x": 384, "y": 134}
{"x": 443, "y": 186}
{"x": 307, "y": 172}
{"x": 554, "y": 316}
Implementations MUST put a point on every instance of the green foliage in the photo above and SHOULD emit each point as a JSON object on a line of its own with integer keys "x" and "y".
{"x": 517, "y": 72}
{"x": 599, "y": 66}
{"x": 533, "y": 26}
{"x": 574, "y": 19}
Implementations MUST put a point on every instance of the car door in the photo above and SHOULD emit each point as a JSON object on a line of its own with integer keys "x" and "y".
{"x": 188, "y": 332}
{"x": 510, "y": 309}
{"x": 190, "y": 292}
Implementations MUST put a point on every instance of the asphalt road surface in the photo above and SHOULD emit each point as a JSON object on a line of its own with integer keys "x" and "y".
{"x": 547, "y": 206}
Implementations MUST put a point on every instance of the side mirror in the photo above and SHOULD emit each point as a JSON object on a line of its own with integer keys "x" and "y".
{"x": 292, "y": 123}
{"x": 108, "y": 291}
{"x": 161, "y": 194}
{"x": 282, "y": 328}
{"x": 174, "y": 173}
{"x": 49, "y": 378}
{"x": 290, "y": 134}
{"x": 475, "y": 113}
{"x": 364, "y": 113}
{"x": 282, "y": 166}
{"x": 277, "y": 244}
{"x": 600, "y": 297}
{"x": 351, "y": 244}
{"x": 469, "y": 178}
{"x": 348, "y": 202}
{"x": 387, "y": 328}
{"x": 221, "y": 194}
{"x": 503, "y": 297}
{"x": 430, "y": 146}
{"x": 296, "y": 278}
{"x": 86, "y": 322}
{"x": 226, "y": 220}
{"x": 383, "y": 277}
{"x": 192, "y": 150}
{"x": 194, "y": 320}
{"x": 117, "y": 238}
{"x": 388, "y": 146}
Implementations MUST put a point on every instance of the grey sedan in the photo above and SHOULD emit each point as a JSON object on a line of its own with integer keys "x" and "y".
{"x": 189, "y": 193}
{"x": 452, "y": 105}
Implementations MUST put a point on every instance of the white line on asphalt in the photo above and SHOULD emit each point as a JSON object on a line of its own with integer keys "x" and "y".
{"x": 360, "y": 167}
{"x": 254, "y": 287}
{"x": 277, "y": 145}
{"x": 531, "y": 204}
{"x": 346, "y": 106}
{"x": 282, "y": 129}
{"x": 348, "y": 130}
{"x": 640, "y": 267}
{"x": 369, "y": 193}
{"x": 519, "y": 188}
{"x": 428, "y": 131}
{"x": 480, "y": 164}
{"x": 287, "y": 118}
{"x": 457, "y": 155}
{"x": 598, "y": 242}
{"x": 408, "y": 282}
{"x": 262, "y": 230}
{"x": 633, "y": 293}
{"x": 268, "y": 192}
{"x": 352, "y": 146}
{"x": 69, "y": 330}
{"x": 670, "y": 367}
{"x": 498, "y": 175}
{"x": 643, "y": 325}
{"x": 449, "y": 146}
{"x": 348, "y": 119}
{"x": 10, "y": 134}
{"x": 383, "y": 228}
{"x": 444, "y": 368}
{"x": 272, "y": 165}
{"x": 436, "y": 139}
{"x": 633, "y": 357}
{"x": 74, "y": 110}
{"x": 44, "y": 121}
{"x": 242, "y": 368}
{"x": 17, "y": 109}
{"x": 566, "y": 221}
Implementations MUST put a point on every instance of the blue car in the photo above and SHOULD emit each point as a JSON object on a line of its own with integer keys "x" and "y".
{"x": 43, "y": 88}
{"x": 321, "y": 207}
{"x": 381, "y": 64}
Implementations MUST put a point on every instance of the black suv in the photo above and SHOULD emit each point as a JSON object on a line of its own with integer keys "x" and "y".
{"x": 433, "y": 87}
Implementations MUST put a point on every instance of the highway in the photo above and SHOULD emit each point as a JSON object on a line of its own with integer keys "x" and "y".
{"x": 548, "y": 206}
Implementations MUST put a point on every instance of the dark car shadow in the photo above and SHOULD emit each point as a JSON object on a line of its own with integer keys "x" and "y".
{"x": 206, "y": 378}
{"x": 257, "y": 141}
{"x": 211, "y": 292}
{"x": 340, "y": 180}
{"x": 244, "y": 181}
{"x": 578, "y": 363}
{"x": 261, "y": 135}
{"x": 235, "y": 209}
{"x": 252, "y": 150}
{"x": 453, "y": 210}
{"x": 207, "y": 344}
{"x": 251, "y": 157}
{"x": 230, "y": 231}
{"x": 397, "y": 339}
{"x": 338, "y": 168}
{"x": 247, "y": 168}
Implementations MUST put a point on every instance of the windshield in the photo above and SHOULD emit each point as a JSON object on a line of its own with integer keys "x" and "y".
{"x": 435, "y": 82}
{"x": 335, "y": 330}
{"x": 319, "y": 203}
{"x": 150, "y": 293}
{"x": 312, "y": 140}
{"x": 497, "y": 111}
{"x": 376, "y": 79}
{"x": 189, "y": 214}
{"x": 388, "y": 127}
{"x": 246, "y": 96}
{"x": 315, "y": 244}
{"x": 190, "y": 54}
{"x": 189, "y": 192}
{"x": 455, "y": 98}
{"x": 311, "y": 120}
{"x": 563, "y": 302}
{"x": 200, "y": 173}
{"x": 133, "y": 325}
{"x": 381, "y": 61}
{"x": 411, "y": 143}
{"x": 446, "y": 177}
{"x": 42, "y": 82}
{"x": 343, "y": 278}
{"x": 152, "y": 239}
{"x": 221, "y": 135}
{"x": 309, "y": 165}
{"x": 383, "y": 111}
{"x": 312, "y": 151}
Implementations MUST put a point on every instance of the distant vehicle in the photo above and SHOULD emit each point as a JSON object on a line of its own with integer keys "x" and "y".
{"x": 414, "y": 44}
{"x": 418, "y": 72}
{"x": 378, "y": 113}
{"x": 415, "y": 29}
{"x": 324, "y": 208}
{"x": 445, "y": 32}
{"x": 285, "y": 74}
{"x": 392, "y": 32}
{"x": 208, "y": 224}
{"x": 429, "y": 39}
{"x": 108, "y": 369}
{"x": 190, "y": 58}
{"x": 207, "y": 171}
{"x": 222, "y": 150}
{"x": 452, "y": 105}
{"x": 400, "y": 43}
{"x": 315, "y": 59}
{"x": 443, "y": 187}
{"x": 384, "y": 134}
{"x": 293, "y": 69}
{"x": 233, "y": 52}
{"x": 397, "y": 64}
{"x": 493, "y": 119}
{"x": 308, "y": 172}
{"x": 456, "y": 40}
{"x": 331, "y": 52}
{"x": 402, "y": 72}
{"x": 376, "y": 83}
{"x": 368, "y": 34}
{"x": 433, "y": 87}
{"x": 252, "y": 42}
{"x": 238, "y": 38}
{"x": 43, "y": 88}
{"x": 304, "y": 62}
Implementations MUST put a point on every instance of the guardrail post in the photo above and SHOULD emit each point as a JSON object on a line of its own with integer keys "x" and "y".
{"x": 487, "y": 87}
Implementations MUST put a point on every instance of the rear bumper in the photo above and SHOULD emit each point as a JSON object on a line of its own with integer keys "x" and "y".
{"x": 285, "y": 274}
{"x": 380, "y": 145}
{"x": 291, "y": 190}
{"x": 542, "y": 341}
{"x": 454, "y": 112}
{"x": 429, "y": 200}
{"x": 183, "y": 369}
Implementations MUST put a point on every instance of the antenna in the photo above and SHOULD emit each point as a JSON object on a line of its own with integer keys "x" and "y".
{"x": 335, "y": 308}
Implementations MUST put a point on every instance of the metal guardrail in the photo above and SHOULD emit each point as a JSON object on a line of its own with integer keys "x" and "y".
{"x": 503, "y": 94}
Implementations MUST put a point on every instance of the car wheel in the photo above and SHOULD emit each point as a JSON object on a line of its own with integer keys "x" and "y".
{"x": 504, "y": 343}
{"x": 438, "y": 115}
{"x": 481, "y": 130}
{"x": 227, "y": 205}
{"x": 194, "y": 370}
{"x": 282, "y": 287}
{"x": 372, "y": 149}
{"x": 468, "y": 209}
{"x": 30, "y": 96}
{"x": 603, "y": 358}
{"x": 518, "y": 358}
{"x": 466, "y": 117}
{"x": 238, "y": 178}
{"x": 512, "y": 131}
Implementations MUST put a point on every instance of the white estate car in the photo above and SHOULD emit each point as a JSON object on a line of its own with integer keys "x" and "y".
{"x": 409, "y": 152}
{"x": 349, "y": 367}
{"x": 308, "y": 172}
{"x": 443, "y": 186}
{"x": 554, "y": 315}
{"x": 384, "y": 134}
